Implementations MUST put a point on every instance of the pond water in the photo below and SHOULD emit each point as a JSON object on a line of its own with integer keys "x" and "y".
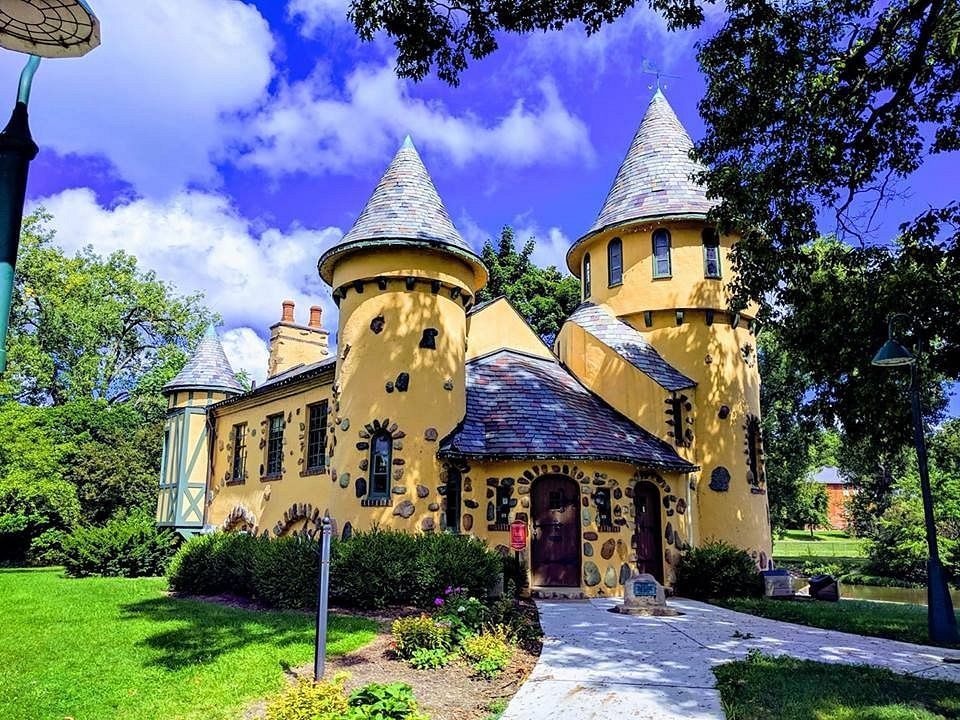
{"x": 917, "y": 596}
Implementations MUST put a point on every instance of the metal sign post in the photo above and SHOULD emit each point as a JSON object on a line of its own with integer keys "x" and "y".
{"x": 323, "y": 591}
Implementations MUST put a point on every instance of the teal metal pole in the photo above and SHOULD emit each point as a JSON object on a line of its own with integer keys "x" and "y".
{"x": 17, "y": 149}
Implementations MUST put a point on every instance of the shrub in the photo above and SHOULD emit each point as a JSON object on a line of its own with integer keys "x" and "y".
{"x": 285, "y": 573}
{"x": 215, "y": 564}
{"x": 444, "y": 560}
{"x": 429, "y": 659}
{"x": 374, "y": 569}
{"x": 47, "y": 548}
{"x": 463, "y": 613}
{"x": 311, "y": 701}
{"x": 717, "y": 570}
{"x": 419, "y": 632}
{"x": 489, "y": 652}
{"x": 127, "y": 545}
{"x": 376, "y": 701}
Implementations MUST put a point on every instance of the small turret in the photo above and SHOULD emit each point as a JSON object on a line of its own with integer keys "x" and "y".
{"x": 205, "y": 379}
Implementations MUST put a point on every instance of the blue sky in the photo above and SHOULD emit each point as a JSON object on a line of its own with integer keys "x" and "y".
{"x": 226, "y": 144}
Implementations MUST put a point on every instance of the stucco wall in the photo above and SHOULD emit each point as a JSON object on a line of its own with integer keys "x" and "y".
{"x": 497, "y": 326}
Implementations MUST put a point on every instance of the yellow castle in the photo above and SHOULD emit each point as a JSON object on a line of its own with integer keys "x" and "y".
{"x": 633, "y": 438}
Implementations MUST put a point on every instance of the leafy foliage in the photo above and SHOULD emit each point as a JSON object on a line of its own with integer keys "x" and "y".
{"x": 384, "y": 701}
{"x": 307, "y": 700}
{"x": 717, "y": 570}
{"x": 489, "y": 652}
{"x": 543, "y": 296}
{"x": 429, "y": 658}
{"x": 213, "y": 564}
{"x": 419, "y": 632}
{"x": 127, "y": 545}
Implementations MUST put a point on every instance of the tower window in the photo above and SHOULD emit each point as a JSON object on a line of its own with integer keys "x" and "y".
{"x": 711, "y": 254}
{"x": 453, "y": 501}
{"x": 239, "y": 452}
{"x": 275, "y": 444}
{"x": 615, "y": 262}
{"x": 754, "y": 452}
{"x": 661, "y": 254}
{"x": 317, "y": 436}
{"x": 586, "y": 276}
{"x": 381, "y": 457}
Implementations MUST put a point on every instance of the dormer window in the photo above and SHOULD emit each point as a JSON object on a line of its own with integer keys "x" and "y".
{"x": 711, "y": 254}
{"x": 586, "y": 276}
{"x": 615, "y": 262}
{"x": 661, "y": 254}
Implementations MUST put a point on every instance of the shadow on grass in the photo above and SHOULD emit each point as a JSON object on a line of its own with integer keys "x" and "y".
{"x": 764, "y": 687}
{"x": 192, "y": 632}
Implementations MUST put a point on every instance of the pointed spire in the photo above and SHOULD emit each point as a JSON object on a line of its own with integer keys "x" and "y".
{"x": 404, "y": 209}
{"x": 207, "y": 369}
{"x": 655, "y": 179}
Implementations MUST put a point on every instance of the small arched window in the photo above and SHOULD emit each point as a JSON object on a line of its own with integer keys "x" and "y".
{"x": 381, "y": 458}
{"x": 711, "y": 254}
{"x": 614, "y": 262}
{"x": 586, "y": 276}
{"x": 661, "y": 254}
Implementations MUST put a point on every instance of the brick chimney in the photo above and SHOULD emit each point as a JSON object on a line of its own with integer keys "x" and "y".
{"x": 292, "y": 344}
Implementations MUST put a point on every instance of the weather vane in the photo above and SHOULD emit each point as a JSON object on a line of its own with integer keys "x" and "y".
{"x": 649, "y": 68}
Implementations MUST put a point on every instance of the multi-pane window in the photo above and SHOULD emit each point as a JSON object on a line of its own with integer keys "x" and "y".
{"x": 453, "y": 501}
{"x": 586, "y": 276}
{"x": 601, "y": 498}
{"x": 503, "y": 506}
{"x": 381, "y": 457}
{"x": 275, "y": 444}
{"x": 615, "y": 262}
{"x": 316, "y": 436}
{"x": 661, "y": 253}
{"x": 239, "y": 452}
{"x": 711, "y": 253}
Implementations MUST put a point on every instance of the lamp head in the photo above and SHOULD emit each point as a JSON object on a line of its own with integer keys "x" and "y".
{"x": 893, "y": 354}
{"x": 48, "y": 28}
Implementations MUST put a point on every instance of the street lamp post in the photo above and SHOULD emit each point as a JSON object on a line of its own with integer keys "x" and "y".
{"x": 941, "y": 622}
{"x": 39, "y": 28}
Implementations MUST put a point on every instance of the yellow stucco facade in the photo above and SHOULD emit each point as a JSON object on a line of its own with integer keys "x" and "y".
{"x": 632, "y": 438}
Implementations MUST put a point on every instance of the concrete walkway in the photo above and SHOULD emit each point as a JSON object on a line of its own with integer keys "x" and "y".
{"x": 598, "y": 665}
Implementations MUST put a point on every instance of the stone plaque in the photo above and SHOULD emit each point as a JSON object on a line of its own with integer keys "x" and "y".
{"x": 643, "y": 595}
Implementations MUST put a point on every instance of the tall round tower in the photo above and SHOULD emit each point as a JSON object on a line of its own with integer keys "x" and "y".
{"x": 652, "y": 260}
{"x": 207, "y": 378}
{"x": 403, "y": 278}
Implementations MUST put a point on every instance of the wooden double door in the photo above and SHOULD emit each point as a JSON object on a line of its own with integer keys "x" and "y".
{"x": 646, "y": 535}
{"x": 555, "y": 541}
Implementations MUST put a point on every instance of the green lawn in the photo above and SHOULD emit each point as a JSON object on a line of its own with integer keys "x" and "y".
{"x": 823, "y": 544}
{"x": 102, "y": 648}
{"x": 896, "y": 621}
{"x": 761, "y": 688}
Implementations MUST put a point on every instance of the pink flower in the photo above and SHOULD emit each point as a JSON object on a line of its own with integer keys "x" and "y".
{"x": 438, "y": 602}
{"x": 448, "y": 590}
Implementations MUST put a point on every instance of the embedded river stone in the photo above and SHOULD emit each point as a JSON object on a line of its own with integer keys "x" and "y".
{"x": 587, "y": 550}
{"x": 361, "y": 487}
{"x": 427, "y": 524}
{"x": 347, "y": 532}
{"x": 610, "y": 577}
{"x": 404, "y": 509}
{"x": 720, "y": 479}
{"x": 591, "y": 574}
{"x": 624, "y": 573}
{"x": 467, "y": 521}
{"x": 491, "y": 512}
{"x": 590, "y": 535}
{"x": 472, "y": 504}
{"x": 345, "y": 480}
{"x": 422, "y": 491}
{"x": 433, "y": 507}
{"x": 606, "y": 550}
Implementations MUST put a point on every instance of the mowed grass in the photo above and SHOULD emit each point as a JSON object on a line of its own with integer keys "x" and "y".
{"x": 823, "y": 544}
{"x": 897, "y": 621}
{"x": 103, "y": 648}
{"x": 762, "y": 688}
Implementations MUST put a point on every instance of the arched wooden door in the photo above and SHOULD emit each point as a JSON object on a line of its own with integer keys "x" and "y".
{"x": 646, "y": 536}
{"x": 555, "y": 543}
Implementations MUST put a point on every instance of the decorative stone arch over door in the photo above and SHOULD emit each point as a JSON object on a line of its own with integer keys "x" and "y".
{"x": 555, "y": 541}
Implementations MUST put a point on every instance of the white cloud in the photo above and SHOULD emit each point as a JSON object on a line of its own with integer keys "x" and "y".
{"x": 311, "y": 127}
{"x": 154, "y": 97}
{"x": 313, "y": 14}
{"x": 199, "y": 242}
{"x": 246, "y": 351}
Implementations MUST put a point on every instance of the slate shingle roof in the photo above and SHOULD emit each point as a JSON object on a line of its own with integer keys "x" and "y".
{"x": 207, "y": 369}
{"x": 654, "y": 180}
{"x": 629, "y": 344}
{"x": 523, "y": 407}
{"x": 403, "y": 209}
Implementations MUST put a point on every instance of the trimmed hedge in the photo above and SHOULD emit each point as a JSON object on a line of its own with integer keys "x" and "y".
{"x": 127, "y": 545}
{"x": 371, "y": 570}
{"x": 717, "y": 570}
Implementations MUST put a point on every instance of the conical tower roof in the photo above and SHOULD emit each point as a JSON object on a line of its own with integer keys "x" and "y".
{"x": 404, "y": 210}
{"x": 207, "y": 369}
{"x": 655, "y": 180}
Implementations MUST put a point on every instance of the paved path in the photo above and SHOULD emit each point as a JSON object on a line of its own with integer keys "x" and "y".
{"x": 598, "y": 665}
